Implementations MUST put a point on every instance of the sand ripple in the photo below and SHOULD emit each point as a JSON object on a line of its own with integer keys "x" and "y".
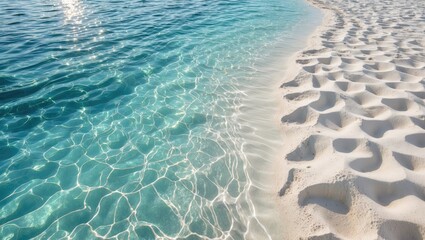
{"x": 354, "y": 113}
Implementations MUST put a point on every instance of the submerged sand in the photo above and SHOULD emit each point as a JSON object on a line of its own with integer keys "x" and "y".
{"x": 354, "y": 125}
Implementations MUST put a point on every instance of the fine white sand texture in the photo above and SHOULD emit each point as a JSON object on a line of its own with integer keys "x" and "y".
{"x": 353, "y": 122}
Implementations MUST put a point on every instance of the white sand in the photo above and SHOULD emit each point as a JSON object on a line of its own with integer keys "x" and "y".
{"x": 354, "y": 125}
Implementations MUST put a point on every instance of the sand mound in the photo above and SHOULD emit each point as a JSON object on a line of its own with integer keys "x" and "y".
{"x": 354, "y": 123}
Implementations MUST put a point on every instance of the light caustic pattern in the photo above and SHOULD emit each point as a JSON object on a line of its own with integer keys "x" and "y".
{"x": 118, "y": 117}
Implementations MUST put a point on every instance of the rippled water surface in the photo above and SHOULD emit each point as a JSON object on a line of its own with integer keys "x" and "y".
{"x": 119, "y": 119}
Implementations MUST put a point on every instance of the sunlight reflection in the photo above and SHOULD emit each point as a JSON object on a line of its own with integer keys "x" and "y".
{"x": 73, "y": 10}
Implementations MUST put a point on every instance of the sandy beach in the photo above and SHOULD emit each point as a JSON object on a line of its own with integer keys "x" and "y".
{"x": 353, "y": 124}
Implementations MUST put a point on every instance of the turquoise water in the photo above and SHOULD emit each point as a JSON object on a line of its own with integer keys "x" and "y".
{"x": 118, "y": 119}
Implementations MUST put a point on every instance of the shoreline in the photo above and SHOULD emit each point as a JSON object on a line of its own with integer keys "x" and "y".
{"x": 260, "y": 118}
{"x": 353, "y": 125}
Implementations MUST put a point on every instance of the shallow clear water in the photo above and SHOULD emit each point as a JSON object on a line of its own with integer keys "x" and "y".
{"x": 118, "y": 119}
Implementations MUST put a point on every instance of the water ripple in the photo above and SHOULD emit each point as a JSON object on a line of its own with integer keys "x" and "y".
{"x": 118, "y": 118}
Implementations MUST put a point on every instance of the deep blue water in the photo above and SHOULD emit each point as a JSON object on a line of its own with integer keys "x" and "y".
{"x": 117, "y": 118}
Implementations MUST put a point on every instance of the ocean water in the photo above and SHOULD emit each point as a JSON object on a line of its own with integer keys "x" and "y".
{"x": 125, "y": 119}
